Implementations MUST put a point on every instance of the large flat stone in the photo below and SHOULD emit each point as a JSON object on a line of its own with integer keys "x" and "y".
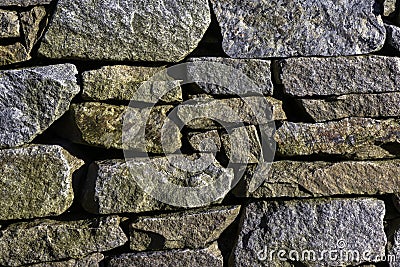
{"x": 253, "y": 29}
{"x": 340, "y": 75}
{"x": 314, "y": 227}
{"x": 24, "y": 3}
{"x": 9, "y": 24}
{"x": 13, "y": 53}
{"x": 142, "y": 30}
{"x": 32, "y": 99}
{"x": 92, "y": 260}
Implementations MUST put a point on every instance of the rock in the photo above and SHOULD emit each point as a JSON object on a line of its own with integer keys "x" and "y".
{"x": 31, "y": 22}
{"x": 393, "y": 36}
{"x": 305, "y": 231}
{"x": 340, "y": 75}
{"x": 304, "y": 28}
{"x": 101, "y": 124}
{"x": 9, "y": 24}
{"x": 32, "y": 99}
{"x": 112, "y": 186}
{"x": 389, "y": 7}
{"x": 353, "y": 105}
{"x": 360, "y": 138}
{"x": 210, "y": 256}
{"x": 14, "y": 53}
{"x": 257, "y": 70}
{"x": 205, "y": 141}
{"x": 200, "y": 113}
{"x": 48, "y": 240}
{"x": 317, "y": 179}
{"x": 189, "y": 229}
{"x": 122, "y": 83}
{"x": 36, "y": 181}
{"x": 142, "y": 30}
{"x": 394, "y": 250}
{"x": 24, "y": 3}
{"x": 88, "y": 261}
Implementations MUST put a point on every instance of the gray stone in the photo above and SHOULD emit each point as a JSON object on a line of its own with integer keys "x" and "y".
{"x": 393, "y": 36}
{"x": 353, "y": 105}
{"x": 24, "y": 3}
{"x": 32, "y": 99}
{"x": 306, "y": 231}
{"x": 340, "y": 75}
{"x": 360, "y": 138}
{"x": 205, "y": 141}
{"x": 36, "y": 181}
{"x": 13, "y": 53}
{"x": 122, "y": 83}
{"x": 88, "y": 261}
{"x": 394, "y": 249}
{"x": 48, "y": 240}
{"x": 9, "y": 24}
{"x": 141, "y": 30}
{"x": 257, "y": 70}
{"x": 189, "y": 229}
{"x": 31, "y": 22}
{"x": 210, "y": 256}
{"x": 285, "y": 28}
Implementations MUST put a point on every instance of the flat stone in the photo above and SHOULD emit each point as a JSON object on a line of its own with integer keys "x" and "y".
{"x": 189, "y": 229}
{"x": 48, "y": 240}
{"x": 36, "y": 181}
{"x": 142, "y": 30}
{"x": 210, "y": 256}
{"x": 340, "y": 75}
{"x": 92, "y": 260}
{"x": 112, "y": 185}
{"x": 304, "y": 28}
{"x": 123, "y": 82}
{"x": 257, "y": 70}
{"x": 209, "y": 141}
{"x": 31, "y": 22}
{"x": 311, "y": 227}
{"x": 14, "y": 53}
{"x": 359, "y": 138}
{"x": 353, "y": 105}
{"x": 24, "y": 3}
{"x": 101, "y": 124}
{"x": 9, "y": 24}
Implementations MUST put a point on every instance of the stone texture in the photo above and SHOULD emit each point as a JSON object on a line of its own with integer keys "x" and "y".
{"x": 88, "y": 261}
{"x": 9, "y": 24}
{"x": 101, "y": 124}
{"x": 14, "y": 53}
{"x": 32, "y": 99}
{"x": 311, "y": 225}
{"x": 340, "y": 75}
{"x": 393, "y": 36}
{"x": 202, "y": 113}
{"x": 205, "y": 141}
{"x": 47, "y": 240}
{"x": 389, "y": 7}
{"x": 189, "y": 229}
{"x": 394, "y": 250}
{"x": 210, "y": 256}
{"x": 24, "y": 3}
{"x": 353, "y": 105}
{"x": 31, "y": 22}
{"x": 257, "y": 70}
{"x": 36, "y": 181}
{"x": 122, "y": 83}
{"x": 112, "y": 186}
{"x": 304, "y": 28}
{"x": 360, "y": 138}
{"x": 141, "y": 30}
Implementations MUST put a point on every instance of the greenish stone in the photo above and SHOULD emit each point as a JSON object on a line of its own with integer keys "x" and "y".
{"x": 9, "y": 24}
{"x": 209, "y": 141}
{"x": 14, "y": 53}
{"x": 31, "y": 22}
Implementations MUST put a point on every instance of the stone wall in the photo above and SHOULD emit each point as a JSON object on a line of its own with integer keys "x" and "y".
{"x": 108, "y": 108}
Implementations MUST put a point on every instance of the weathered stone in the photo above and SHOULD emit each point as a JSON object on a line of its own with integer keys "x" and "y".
{"x": 14, "y": 53}
{"x": 257, "y": 70}
{"x": 304, "y": 28}
{"x": 210, "y": 256}
{"x": 101, "y": 124}
{"x": 122, "y": 83}
{"x": 189, "y": 229}
{"x": 314, "y": 227}
{"x": 340, "y": 75}
{"x": 394, "y": 250}
{"x": 36, "y": 181}
{"x": 353, "y": 105}
{"x": 88, "y": 261}
{"x": 9, "y": 24}
{"x": 24, "y": 2}
{"x": 32, "y": 99}
{"x": 31, "y": 25}
{"x": 317, "y": 178}
{"x": 393, "y": 36}
{"x": 48, "y": 240}
{"x": 360, "y": 138}
{"x": 205, "y": 142}
{"x": 389, "y": 7}
{"x": 142, "y": 30}
{"x": 202, "y": 113}
{"x": 112, "y": 185}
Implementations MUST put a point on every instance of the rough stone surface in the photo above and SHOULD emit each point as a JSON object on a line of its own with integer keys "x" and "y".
{"x": 360, "y": 138}
{"x": 32, "y": 99}
{"x": 31, "y": 22}
{"x": 88, "y": 261}
{"x": 36, "y": 181}
{"x": 257, "y": 70}
{"x": 304, "y": 28}
{"x": 122, "y": 83}
{"x": 389, "y": 7}
{"x": 189, "y": 229}
{"x": 209, "y": 141}
{"x": 47, "y": 240}
{"x": 313, "y": 225}
{"x": 394, "y": 249}
{"x": 210, "y": 256}
{"x": 14, "y": 53}
{"x": 393, "y": 36}
{"x": 354, "y": 105}
{"x": 9, "y": 24}
{"x": 24, "y": 2}
{"x": 340, "y": 75}
{"x": 142, "y": 30}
